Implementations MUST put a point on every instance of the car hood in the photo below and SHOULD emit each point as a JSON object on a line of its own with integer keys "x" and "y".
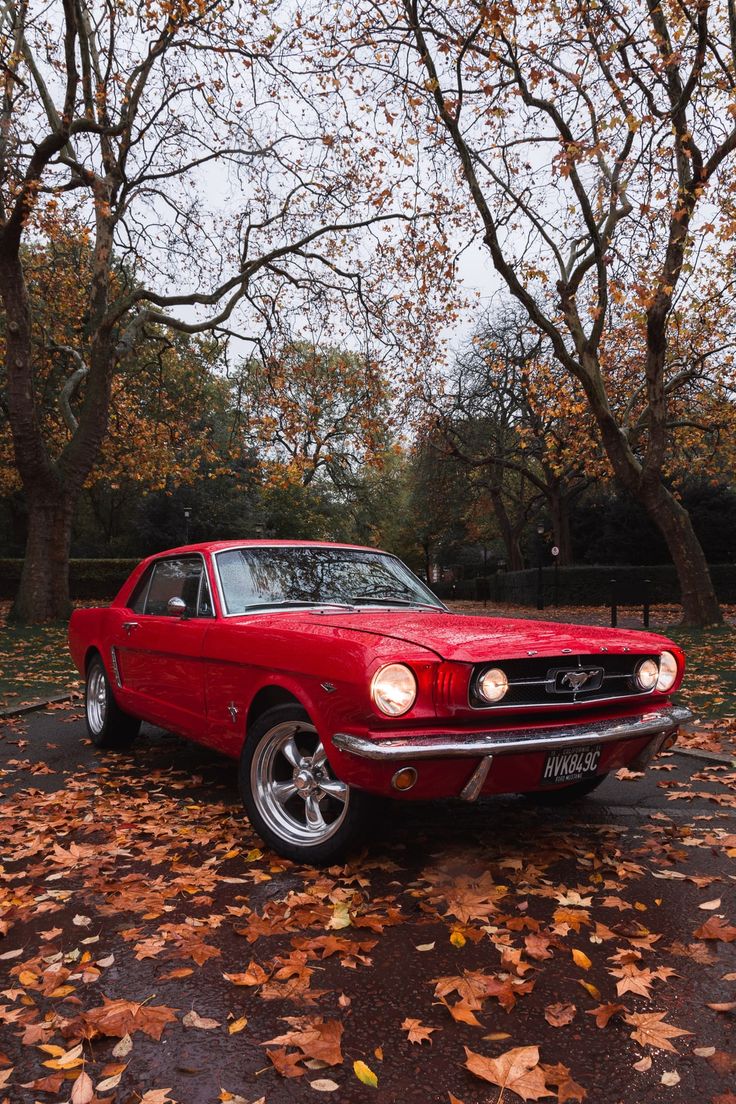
{"x": 474, "y": 639}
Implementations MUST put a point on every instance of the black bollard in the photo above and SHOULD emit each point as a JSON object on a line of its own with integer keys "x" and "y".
{"x": 645, "y": 607}
{"x": 614, "y": 607}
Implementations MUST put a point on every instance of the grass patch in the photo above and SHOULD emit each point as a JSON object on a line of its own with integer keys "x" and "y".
{"x": 34, "y": 662}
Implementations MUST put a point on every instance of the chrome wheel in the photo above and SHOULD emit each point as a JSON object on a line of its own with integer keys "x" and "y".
{"x": 292, "y": 785}
{"x": 96, "y": 699}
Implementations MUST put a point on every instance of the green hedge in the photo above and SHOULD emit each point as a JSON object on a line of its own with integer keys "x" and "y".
{"x": 87, "y": 578}
{"x": 586, "y": 585}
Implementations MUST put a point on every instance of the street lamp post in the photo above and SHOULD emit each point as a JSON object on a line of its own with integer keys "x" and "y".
{"x": 540, "y": 591}
{"x": 556, "y": 555}
{"x": 187, "y": 515}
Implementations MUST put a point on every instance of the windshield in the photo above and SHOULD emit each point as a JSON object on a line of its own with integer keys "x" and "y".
{"x": 252, "y": 578}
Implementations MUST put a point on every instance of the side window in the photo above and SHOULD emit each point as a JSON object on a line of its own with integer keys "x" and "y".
{"x": 175, "y": 578}
{"x": 138, "y": 597}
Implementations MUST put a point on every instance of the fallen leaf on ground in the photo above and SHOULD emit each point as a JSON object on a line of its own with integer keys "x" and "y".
{"x": 315, "y": 1038}
{"x": 417, "y": 1032}
{"x": 365, "y": 1074}
{"x": 123, "y": 1048}
{"x": 715, "y": 928}
{"x": 286, "y": 1064}
{"x": 567, "y": 1088}
{"x": 123, "y": 1017}
{"x": 604, "y": 1012}
{"x": 193, "y": 1019}
{"x": 651, "y": 1030}
{"x": 559, "y": 1014}
{"x": 517, "y": 1070}
{"x": 82, "y": 1090}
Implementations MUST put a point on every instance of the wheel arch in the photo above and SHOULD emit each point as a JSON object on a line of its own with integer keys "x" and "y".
{"x": 266, "y": 698}
{"x": 89, "y": 655}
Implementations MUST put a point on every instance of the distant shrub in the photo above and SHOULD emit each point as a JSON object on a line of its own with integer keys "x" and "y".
{"x": 87, "y": 578}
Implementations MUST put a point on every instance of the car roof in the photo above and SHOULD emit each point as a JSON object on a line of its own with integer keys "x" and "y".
{"x": 261, "y": 542}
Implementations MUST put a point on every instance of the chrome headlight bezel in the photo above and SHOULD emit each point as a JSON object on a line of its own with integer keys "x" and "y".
{"x": 497, "y": 679}
{"x": 668, "y": 672}
{"x": 648, "y": 681}
{"x": 387, "y": 681}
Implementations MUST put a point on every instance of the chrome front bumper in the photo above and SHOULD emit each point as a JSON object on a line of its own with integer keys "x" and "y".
{"x": 510, "y": 742}
{"x": 486, "y": 745}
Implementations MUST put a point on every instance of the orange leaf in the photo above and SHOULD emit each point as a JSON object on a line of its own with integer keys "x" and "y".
{"x": 517, "y": 1070}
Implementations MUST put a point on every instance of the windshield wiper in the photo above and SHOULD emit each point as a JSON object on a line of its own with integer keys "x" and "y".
{"x": 281, "y": 602}
{"x": 278, "y": 602}
{"x": 392, "y": 599}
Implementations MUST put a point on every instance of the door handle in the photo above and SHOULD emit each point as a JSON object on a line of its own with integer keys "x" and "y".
{"x": 129, "y": 626}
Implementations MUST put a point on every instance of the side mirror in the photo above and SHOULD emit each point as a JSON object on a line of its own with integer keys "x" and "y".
{"x": 176, "y": 607}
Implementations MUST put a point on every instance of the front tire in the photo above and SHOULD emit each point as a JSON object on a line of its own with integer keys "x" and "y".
{"x": 108, "y": 726}
{"x": 292, "y": 798}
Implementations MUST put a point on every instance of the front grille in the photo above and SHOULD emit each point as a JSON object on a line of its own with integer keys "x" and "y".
{"x": 553, "y": 680}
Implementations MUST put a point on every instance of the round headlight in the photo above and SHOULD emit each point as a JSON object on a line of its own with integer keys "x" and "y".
{"x": 667, "y": 671}
{"x": 647, "y": 674}
{"x": 493, "y": 684}
{"x": 394, "y": 689}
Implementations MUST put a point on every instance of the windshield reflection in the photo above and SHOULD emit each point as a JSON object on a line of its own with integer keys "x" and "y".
{"x": 252, "y": 578}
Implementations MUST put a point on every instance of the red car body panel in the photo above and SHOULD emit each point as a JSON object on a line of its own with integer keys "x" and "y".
{"x": 205, "y": 677}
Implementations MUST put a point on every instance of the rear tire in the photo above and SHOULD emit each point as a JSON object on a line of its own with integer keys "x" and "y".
{"x": 293, "y": 800}
{"x": 108, "y": 726}
{"x": 566, "y": 795}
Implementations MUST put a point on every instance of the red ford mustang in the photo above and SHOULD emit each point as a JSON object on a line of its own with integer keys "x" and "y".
{"x": 332, "y": 674}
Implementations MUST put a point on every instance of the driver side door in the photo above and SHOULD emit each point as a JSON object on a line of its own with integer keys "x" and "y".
{"x": 159, "y": 647}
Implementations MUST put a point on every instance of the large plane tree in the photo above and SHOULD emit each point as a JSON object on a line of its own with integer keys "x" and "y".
{"x": 591, "y": 149}
{"x": 215, "y": 196}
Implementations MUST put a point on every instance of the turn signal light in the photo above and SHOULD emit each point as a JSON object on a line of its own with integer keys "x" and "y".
{"x": 404, "y": 779}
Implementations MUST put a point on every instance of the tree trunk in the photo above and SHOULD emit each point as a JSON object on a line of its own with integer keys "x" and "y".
{"x": 509, "y": 535}
{"x": 699, "y": 602}
{"x": 43, "y": 594}
{"x": 51, "y": 487}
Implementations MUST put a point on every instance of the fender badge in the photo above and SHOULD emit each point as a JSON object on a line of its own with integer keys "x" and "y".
{"x": 328, "y": 687}
{"x": 233, "y": 711}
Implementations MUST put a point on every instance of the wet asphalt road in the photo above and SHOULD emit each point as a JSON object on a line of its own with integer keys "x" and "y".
{"x": 661, "y": 859}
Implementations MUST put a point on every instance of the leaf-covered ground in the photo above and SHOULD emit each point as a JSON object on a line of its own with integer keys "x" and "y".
{"x": 151, "y": 950}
